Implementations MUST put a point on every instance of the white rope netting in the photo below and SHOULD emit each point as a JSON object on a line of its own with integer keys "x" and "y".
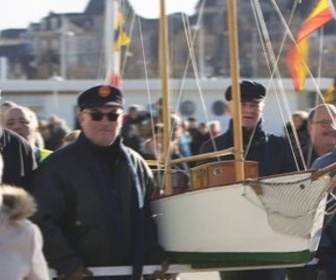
{"x": 292, "y": 202}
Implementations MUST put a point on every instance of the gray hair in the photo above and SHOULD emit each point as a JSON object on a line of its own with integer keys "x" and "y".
{"x": 329, "y": 107}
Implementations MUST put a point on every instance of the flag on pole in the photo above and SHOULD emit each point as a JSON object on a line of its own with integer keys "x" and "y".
{"x": 120, "y": 39}
{"x": 297, "y": 57}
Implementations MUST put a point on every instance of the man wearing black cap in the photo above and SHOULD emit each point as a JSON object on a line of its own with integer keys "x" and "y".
{"x": 93, "y": 196}
{"x": 271, "y": 152}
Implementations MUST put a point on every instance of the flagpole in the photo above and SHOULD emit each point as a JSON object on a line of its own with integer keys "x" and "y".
{"x": 111, "y": 7}
{"x": 64, "y": 30}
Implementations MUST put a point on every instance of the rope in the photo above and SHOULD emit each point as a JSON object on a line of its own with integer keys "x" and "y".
{"x": 293, "y": 202}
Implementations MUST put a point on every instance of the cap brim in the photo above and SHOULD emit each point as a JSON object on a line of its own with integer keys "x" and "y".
{"x": 251, "y": 100}
{"x": 111, "y": 103}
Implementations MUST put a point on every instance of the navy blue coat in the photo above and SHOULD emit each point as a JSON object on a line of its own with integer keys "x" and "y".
{"x": 327, "y": 247}
{"x": 272, "y": 152}
{"x": 89, "y": 211}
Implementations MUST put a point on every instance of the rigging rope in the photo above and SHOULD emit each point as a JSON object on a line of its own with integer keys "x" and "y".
{"x": 293, "y": 203}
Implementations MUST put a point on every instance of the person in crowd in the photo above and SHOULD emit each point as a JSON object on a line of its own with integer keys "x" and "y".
{"x": 17, "y": 153}
{"x": 93, "y": 196}
{"x": 214, "y": 128}
{"x": 24, "y": 122}
{"x": 297, "y": 129}
{"x": 5, "y": 106}
{"x": 152, "y": 149}
{"x": 19, "y": 159}
{"x": 130, "y": 131}
{"x": 203, "y": 128}
{"x": 195, "y": 135}
{"x": 21, "y": 255}
{"x": 71, "y": 137}
{"x": 57, "y": 130}
{"x": 199, "y": 138}
{"x": 258, "y": 146}
{"x": 158, "y": 111}
{"x": 321, "y": 129}
{"x": 326, "y": 252}
{"x": 322, "y": 132}
{"x": 44, "y": 130}
{"x": 327, "y": 247}
{"x": 184, "y": 139}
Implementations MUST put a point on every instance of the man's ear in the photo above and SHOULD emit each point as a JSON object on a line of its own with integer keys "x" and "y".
{"x": 80, "y": 117}
{"x": 228, "y": 108}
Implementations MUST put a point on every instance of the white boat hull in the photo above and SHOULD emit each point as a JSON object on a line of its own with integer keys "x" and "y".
{"x": 229, "y": 226}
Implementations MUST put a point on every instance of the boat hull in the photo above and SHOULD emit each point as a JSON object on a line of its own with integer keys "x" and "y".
{"x": 229, "y": 226}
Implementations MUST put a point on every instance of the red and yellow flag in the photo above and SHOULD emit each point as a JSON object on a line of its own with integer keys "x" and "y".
{"x": 297, "y": 57}
{"x": 121, "y": 39}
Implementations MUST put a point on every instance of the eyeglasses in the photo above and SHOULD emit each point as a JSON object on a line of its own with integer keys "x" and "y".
{"x": 324, "y": 122}
{"x": 98, "y": 116}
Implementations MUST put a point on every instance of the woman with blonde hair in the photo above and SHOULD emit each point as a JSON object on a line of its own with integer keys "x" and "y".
{"x": 21, "y": 254}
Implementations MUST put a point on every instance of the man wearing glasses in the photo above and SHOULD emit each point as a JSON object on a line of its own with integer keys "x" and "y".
{"x": 93, "y": 196}
{"x": 322, "y": 132}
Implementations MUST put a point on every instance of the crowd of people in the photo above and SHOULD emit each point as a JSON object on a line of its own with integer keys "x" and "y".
{"x": 93, "y": 186}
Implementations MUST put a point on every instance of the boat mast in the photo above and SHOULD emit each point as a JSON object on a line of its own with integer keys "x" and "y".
{"x": 235, "y": 77}
{"x": 165, "y": 91}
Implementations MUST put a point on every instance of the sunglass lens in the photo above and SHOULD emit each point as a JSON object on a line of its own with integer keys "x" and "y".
{"x": 96, "y": 116}
{"x": 112, "y": 116}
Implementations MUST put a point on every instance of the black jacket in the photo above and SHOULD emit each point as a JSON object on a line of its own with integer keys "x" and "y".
{"x": 18, "y": 157}
{"x": 272, "y": 152}
{"x": 89, "y": 211}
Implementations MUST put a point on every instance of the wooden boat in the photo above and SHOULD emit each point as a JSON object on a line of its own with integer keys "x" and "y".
{"x": 264, "y": 222}
{"x": 239, "y": 224}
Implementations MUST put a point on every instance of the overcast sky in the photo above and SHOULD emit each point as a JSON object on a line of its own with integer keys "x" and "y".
{"x": 20, "y": 13}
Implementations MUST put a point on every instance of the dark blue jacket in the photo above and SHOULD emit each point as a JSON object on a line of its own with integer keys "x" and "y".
{"x": 272, "y": 152}
{"x": 327, "y": 247}
{"x": 89, "y": 208}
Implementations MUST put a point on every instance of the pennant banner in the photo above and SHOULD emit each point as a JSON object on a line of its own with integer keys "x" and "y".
{"x": 120, "y": 39}
{"x": 297, "y": 58}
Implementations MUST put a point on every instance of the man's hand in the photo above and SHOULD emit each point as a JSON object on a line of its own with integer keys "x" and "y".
{"x": 78, "y": 274}
{"x": 161, "y": 275}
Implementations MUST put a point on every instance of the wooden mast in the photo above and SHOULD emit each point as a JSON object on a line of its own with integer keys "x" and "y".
{"x": 165, "y": 77}
{"x": 235, "y": 77}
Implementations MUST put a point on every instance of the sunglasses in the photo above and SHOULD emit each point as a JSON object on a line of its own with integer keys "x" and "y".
{"x": 98, "y": 116}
